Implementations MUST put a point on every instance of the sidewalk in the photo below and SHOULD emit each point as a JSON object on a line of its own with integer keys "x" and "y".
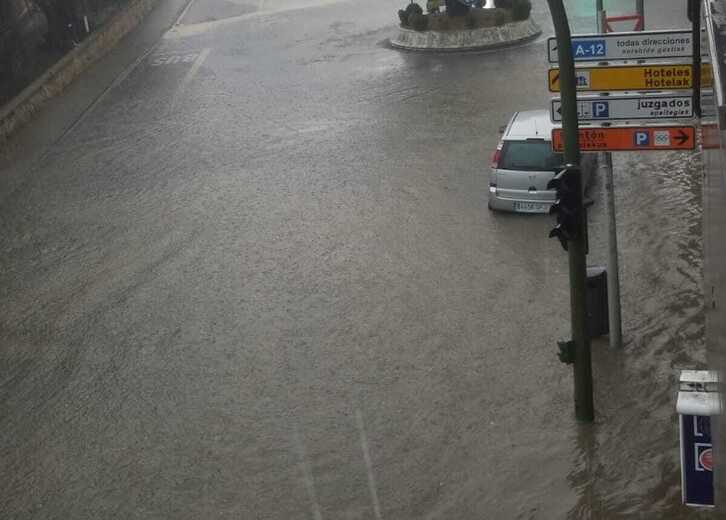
{"x": 60, "y": 113}
{"x": 34, "y": 55}
{"x": 672, "y": 15}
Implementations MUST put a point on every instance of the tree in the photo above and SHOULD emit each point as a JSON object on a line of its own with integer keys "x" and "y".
{"x": 62, "y": 17}
{"x": 456, "y": 8}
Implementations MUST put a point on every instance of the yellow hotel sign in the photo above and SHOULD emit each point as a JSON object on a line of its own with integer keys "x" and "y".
{"x": 638, "y": 77}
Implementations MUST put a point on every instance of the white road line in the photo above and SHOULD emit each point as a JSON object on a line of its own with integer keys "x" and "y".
{"x": 121, "y": 77}
{"x": 307, "y": 475}
{"x": 369, "y": 465}
{"x": 184, "y": 13}
{"x": 189, "y": 76}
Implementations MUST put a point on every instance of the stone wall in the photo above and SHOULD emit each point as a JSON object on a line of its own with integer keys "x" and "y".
{"x": 36, "y": 33}
{"x": 473, "y": 39}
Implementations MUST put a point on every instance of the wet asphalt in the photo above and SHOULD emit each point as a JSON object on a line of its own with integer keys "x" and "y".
{"x": 258, "y": 279}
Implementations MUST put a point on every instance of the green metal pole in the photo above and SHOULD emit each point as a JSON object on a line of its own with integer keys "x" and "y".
{"x": 584, "y": 408}
{"x": 640, "y": 9}
{"x": 696, "y": 37}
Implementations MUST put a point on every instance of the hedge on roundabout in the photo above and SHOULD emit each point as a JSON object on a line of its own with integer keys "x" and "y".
{"x": 461, "y": 16}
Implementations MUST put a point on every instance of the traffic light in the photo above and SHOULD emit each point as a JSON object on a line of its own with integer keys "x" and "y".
{"x": 568, "y": 204}
{"x": 566, "y": 352}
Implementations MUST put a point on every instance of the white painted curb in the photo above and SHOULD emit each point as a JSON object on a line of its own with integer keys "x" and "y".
{"x": 473, "y": 39}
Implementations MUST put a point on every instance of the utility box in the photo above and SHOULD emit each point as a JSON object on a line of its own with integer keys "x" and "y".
{"x": 698, "y": 401}
{"x": 598, "y": 323}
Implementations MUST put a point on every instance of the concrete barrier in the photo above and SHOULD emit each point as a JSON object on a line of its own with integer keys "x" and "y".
{"x": 467, "y": 40}
{"x": 52, "y": 82}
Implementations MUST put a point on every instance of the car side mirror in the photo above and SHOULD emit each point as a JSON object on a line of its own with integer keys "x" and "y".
{"x": 502, "y": 129}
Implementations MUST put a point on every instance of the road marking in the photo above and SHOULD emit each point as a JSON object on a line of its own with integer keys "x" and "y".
{"x": 161, "y": 59}
{"x": 189, "y": 76}
{"x": 369, "y": 465}
{"x": 307, "y": 475}
{"x": 184, "y": 13}
{"x": 119, "y": 79}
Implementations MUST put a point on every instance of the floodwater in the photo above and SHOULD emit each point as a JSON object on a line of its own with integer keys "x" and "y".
{"x": 259, "y": 280}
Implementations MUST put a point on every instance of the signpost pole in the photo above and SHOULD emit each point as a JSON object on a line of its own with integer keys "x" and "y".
{"x": 696, "y": 21}
{"x": 640, "y": 10}
{"x": 584, "y": 408}
{"x": 605, "y": 160}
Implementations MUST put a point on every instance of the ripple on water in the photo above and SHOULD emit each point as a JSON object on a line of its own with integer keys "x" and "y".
{"x": 628, "y": 462}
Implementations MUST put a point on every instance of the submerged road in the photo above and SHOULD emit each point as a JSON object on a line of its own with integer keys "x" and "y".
{"x": 258, "y": 279}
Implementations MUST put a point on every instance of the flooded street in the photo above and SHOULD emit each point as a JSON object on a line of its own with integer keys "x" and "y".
{"x": 634, "y": 448}
{"x": 259, "y": 279}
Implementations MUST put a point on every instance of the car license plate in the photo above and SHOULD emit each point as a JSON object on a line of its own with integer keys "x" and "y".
{"x": 532, "y": 207}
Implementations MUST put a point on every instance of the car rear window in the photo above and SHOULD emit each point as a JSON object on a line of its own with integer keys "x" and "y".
{"x": 529, "y": 156}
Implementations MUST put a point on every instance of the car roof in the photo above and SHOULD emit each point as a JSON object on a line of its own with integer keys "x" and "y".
{"x": 530, "y": 124}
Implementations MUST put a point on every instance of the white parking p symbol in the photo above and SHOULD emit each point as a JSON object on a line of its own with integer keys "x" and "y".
{"x": 642, "y": 138}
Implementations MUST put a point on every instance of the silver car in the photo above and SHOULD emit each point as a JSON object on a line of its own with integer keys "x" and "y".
{"x": 524, "y": 163}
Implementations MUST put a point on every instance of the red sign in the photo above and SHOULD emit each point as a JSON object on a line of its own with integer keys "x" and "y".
{"x": 637, "y": 18}
{"x": 706, "y": 459}
{"x": 631, "y": 139}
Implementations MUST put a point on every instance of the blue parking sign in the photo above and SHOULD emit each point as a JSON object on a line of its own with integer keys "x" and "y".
{"x": 642, "y": 138}
{"x": 601, "y": 109}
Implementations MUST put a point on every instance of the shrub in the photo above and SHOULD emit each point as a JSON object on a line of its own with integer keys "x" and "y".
{"x": 456, "y": 8}
{"x": 403, "y": 17}
{"x": 414, "y": 8}
{"x": 503, "y": 4}
{"x": 521, "y": 9}
{"x": 432, "y": 6}
{"x": 418, "y": 21}
{"x": 405, "y": 14}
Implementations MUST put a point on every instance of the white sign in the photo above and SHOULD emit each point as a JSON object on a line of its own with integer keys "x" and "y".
{"x": 661, "y": 138}
{"x": 628, "y": 107}
{"x": 708, "y": 107}
{"x": 630, "y": 46}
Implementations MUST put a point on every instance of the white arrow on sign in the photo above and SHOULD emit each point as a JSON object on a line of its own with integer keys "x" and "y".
{"x": 634, "y": 107}
{"x": 630, "y": 46}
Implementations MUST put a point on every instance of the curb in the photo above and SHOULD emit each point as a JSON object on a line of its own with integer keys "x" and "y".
{"x": 52, "y": 82}
{"x": 506, "y": 35}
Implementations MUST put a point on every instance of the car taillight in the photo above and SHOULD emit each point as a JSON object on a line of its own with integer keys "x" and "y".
{"x": 497, "y": 155}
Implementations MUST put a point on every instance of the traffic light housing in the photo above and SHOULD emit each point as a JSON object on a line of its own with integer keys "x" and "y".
{"x": 566, "y": 352}
{"x": 568, "y": 204}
